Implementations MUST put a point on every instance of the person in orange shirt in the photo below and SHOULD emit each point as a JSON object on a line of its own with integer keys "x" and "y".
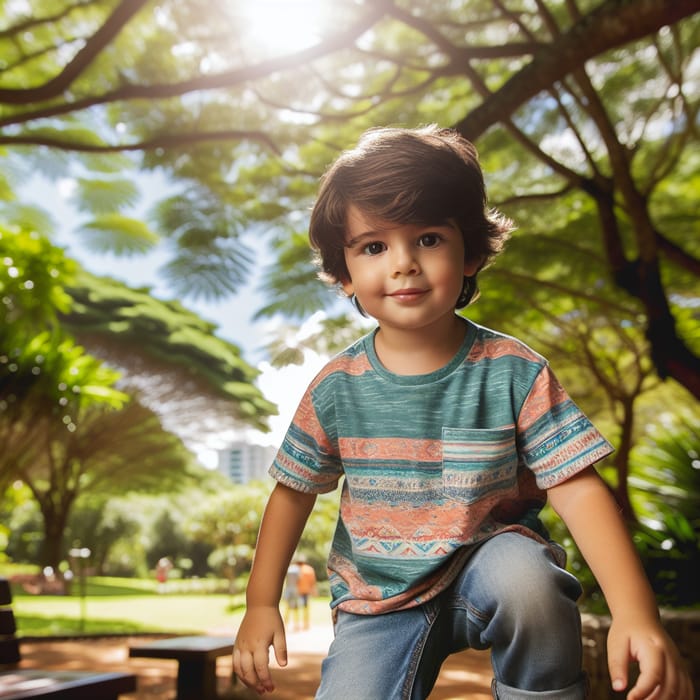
{"x": 306, "y": 586}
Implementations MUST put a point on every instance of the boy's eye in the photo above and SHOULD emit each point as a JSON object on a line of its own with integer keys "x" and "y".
{"x": 429, "y": 240}
{"x": 374, "y": 248}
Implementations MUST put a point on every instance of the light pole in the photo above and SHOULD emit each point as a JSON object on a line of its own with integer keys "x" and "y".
{"x": 81, "y": 554}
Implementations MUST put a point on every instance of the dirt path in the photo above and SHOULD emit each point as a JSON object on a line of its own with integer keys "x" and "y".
{"x": 465, "y": 675}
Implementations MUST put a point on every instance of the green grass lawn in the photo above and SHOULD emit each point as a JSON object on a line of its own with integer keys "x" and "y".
{"x": 128, "y": 606}
{"x": 181, "y": 613}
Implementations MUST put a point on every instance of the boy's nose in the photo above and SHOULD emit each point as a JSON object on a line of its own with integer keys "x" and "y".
{"x": 404, "y": 262}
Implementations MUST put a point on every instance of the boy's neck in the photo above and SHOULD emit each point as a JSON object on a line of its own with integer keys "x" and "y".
{"x": 413, "y": 352}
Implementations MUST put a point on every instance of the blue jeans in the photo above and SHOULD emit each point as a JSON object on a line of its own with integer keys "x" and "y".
{"x": 511, "y": 597}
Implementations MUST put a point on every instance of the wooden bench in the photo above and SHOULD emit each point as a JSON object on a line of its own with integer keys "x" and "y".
{"x": 19, "y": 684}
{"x": 9, "y": 644}
{"x": 22, "y": 684}
{"x": 196, "y": 657}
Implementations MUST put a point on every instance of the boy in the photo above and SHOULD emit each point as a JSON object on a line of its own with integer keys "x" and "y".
{"x": 450, "y": 438}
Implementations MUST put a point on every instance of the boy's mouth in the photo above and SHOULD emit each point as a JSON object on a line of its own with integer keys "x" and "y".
{"x": 408, "y": 293}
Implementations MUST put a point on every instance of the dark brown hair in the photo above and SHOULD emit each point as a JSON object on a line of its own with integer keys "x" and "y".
{"x": 425, "y": 176}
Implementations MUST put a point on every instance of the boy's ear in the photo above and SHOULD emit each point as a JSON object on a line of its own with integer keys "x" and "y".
{"x": 347, "y": 286}
{"x": 471, "y": 267}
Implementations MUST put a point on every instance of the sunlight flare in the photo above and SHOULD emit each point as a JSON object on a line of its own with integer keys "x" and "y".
{"x": 284, "y": 26}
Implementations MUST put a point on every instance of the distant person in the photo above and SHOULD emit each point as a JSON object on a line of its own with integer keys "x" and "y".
{"x": 306, "y": 587}
{"x": 291, "y": 595}
{"x": 163, "y": 568}
{"x": 448, "y": 438}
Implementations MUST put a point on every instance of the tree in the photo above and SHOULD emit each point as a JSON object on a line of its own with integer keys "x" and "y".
{"x": 229, "y": 523}
{"x": 569, "y": 101}
{"x": 101, "y": 523}
{"x": 45, "y": 378}
{"x": 107, "y": 451}
{"x": 623, "y": 172}
{"x": 66, "y": 430}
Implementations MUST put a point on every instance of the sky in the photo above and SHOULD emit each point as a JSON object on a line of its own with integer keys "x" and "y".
{"x": 233, "y": 316}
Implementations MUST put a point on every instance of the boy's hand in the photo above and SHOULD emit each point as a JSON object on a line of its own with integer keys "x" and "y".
{"x": 662, "y": 674}
{"x": 261, "y": 628}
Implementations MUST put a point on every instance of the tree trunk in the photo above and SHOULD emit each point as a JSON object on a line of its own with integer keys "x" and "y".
{"x": 52, "y": 551}
{"x": 621, "y": 461}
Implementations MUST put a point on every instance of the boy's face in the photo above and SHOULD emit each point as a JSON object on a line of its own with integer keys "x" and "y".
{"x": 404, "y": 275}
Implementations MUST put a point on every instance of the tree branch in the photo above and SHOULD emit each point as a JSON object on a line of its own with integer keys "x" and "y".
{"x": 164, "y": 141}
{"x": 428, "y": 30}
{"x": 32, "y": 21}
{"x": 613, "y": 24}
{"x": 112, "y": 26}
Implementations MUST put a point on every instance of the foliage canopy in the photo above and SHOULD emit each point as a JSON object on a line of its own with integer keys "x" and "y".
{"x": 584, "y": 113}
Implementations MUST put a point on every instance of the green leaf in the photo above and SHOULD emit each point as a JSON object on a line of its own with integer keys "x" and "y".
{"x": 28, "y": 217}
{"x": 118, "y": 234}
{"x": 105, "y": 196}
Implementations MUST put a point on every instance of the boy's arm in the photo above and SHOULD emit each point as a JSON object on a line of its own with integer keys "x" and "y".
{"x": 285, "y": 515}
{"x": 587, "y": 507}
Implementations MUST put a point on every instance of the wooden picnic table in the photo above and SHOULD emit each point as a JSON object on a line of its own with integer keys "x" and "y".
{"x": 196, "y": 657}
{"x": 23, "y": 684}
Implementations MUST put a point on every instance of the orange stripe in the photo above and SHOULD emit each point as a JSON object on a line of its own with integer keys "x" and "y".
{"x": 391, "y": 448}
{"x": 354, "y": 366}
{"x": 493, "y": 348}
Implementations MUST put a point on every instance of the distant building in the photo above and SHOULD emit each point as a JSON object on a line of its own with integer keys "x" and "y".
{"x": 242, "y": 462}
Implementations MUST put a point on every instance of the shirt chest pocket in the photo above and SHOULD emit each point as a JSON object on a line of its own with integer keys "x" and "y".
{"x": 478, "y": 462}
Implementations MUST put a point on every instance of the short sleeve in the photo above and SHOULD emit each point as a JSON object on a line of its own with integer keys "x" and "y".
{"x": 308, "y": 459}
{"x": 556, "y": 439}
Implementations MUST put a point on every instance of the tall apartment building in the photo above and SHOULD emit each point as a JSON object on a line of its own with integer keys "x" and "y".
{"x": 242, "y": 462}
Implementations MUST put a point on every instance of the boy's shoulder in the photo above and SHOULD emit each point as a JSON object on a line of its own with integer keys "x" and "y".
{"x": 353, "y": 361}
{"x": 489, "y": 344}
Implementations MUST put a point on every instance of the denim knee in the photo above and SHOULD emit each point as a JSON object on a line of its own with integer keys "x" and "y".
{"x": 522, "y": 604}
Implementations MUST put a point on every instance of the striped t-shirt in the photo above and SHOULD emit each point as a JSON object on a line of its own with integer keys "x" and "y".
{"x": 433, "y": 463}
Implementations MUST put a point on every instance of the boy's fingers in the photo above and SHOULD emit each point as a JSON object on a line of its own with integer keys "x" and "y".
{"x": 618, "y": 668}
{"x": 245, "y": 670}
{"x": 252, "y": 671}
{"x": 261, "y": 661}
{"x": 236, "y": 661}
{"x": 643, "y": 688}
{"x": 279, "y": 644}
{"x": 652, "y": 672}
